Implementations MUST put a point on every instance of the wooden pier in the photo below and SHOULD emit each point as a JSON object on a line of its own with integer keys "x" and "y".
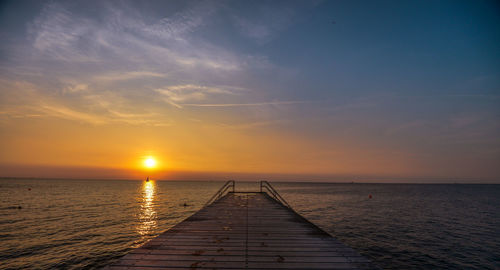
{"x": 244, "y": 230}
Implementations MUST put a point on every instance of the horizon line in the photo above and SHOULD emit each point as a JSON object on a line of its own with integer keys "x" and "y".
{"x": 458, "y": 182}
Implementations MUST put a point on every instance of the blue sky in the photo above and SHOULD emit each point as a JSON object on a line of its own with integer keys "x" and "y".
{"x": 389, "y": 88}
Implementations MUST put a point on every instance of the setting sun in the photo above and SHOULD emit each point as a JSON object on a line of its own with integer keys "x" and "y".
{"x": 150, "y": 162}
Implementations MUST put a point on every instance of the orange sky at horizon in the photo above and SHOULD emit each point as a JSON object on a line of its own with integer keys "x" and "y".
{"x": 193, "y": 148}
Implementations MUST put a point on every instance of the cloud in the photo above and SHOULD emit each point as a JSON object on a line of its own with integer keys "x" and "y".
{"x": 177, "y": 94}
{"x": 264, "y": 22}
{"x": 110, "y": 116}
{"x": 115, "y": 76}
{"x": 254, "y": 30}
{"x": 122, "y": 43}
{"x": 59, "y": 34}
{"x": 121, "y": 34}
{"x": 69, "y": 114}
{"x": 76, "y": 88}
{"x": 252, "y": 125}
{"x": 26, "y": 100}
{"x": 271, "y": 103}
{"x": 182, "y": 23}
{"x": 114, "y": 65}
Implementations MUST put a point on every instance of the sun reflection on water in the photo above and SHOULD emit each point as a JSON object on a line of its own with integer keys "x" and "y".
{"x": 147, "y": 216}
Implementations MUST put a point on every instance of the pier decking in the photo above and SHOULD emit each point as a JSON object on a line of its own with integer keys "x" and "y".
{"x": 243, "y": 230}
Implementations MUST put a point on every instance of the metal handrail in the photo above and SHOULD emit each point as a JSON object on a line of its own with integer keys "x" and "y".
{"x": 221, "y": 191}
{"x": 273, "y": 192}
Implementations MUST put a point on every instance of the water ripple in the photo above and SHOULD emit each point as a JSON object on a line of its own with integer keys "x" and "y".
{"x": 75, "y": 224}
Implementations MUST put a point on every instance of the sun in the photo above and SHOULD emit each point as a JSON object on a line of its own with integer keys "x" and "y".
{"x": 150, "y": 162}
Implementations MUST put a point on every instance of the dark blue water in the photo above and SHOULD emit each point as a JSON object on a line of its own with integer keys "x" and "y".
{"x": 408, "y": 226}
{"x": 74, "y": 224}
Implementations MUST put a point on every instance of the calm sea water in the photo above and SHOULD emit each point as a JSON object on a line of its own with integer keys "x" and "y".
{"x": 74, "y": 224}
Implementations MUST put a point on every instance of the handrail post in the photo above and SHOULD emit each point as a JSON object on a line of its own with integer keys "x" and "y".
{"x": 273, "y": 192}
{"x": 221, "y": 192}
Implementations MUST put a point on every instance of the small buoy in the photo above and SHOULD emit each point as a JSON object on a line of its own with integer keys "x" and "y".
{"x": 19, "y": 207}
{"x": 29, "y": 188}
{"x": 370, "y": 196}
{"x": 185, "y": 204}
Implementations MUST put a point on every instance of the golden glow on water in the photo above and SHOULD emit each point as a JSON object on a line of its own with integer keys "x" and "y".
{"x": 147, "y": 216}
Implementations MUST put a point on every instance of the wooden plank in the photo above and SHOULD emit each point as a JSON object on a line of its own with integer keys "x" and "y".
{"x": 244, "y": 231}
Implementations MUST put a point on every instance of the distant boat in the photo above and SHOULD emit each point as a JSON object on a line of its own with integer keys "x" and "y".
{"x": 147, "y": 179}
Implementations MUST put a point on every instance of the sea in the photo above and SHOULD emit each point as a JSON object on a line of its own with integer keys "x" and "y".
{"x": 86, "y": 224}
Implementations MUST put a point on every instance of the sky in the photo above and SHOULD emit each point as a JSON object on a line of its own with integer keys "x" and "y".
{"x": 301, "y": 90}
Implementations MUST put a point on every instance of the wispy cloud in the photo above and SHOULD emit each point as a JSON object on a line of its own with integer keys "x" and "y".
{"x": 27, "y": 100}
{"x": 115, "y": 65}
{"x": 59, "y": 34}
{"x": 127, "y": 36}
{"x": 177, "y": 94}
{"x": 62, "y": 112}
{"x": 123, "y": 76}
{"x": 76, "y": 88}
{"x": 266, "y": 21}
{"x": 271, "y": 103}
{"x": 251, "y": 125}
{"x": 69, "y": 114}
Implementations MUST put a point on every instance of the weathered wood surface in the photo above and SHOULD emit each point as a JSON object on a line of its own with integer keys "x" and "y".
{"x": 244, "y": 231}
